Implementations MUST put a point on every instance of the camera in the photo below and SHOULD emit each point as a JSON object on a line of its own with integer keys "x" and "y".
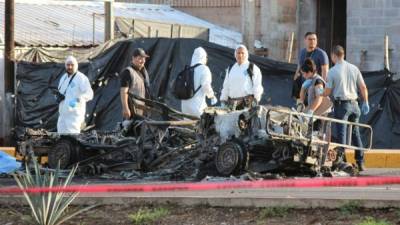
{"x": 59, "y": 97}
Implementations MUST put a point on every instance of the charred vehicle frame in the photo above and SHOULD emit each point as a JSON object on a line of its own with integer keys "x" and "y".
{"x": 278, "y": 140}
{"x": 262, "y": 139}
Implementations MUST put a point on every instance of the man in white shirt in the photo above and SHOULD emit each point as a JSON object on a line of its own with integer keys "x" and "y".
{"x": 243, "y": 83}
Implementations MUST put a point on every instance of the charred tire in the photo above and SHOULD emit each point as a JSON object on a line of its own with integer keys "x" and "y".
{"x": 63, "y": 152}
{"x": 231, "y": 158}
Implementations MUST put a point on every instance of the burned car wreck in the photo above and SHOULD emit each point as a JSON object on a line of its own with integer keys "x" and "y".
{"x": 276, "y": 140}
{"x": 146, "y": 144}
{"x": 170, "y": 145}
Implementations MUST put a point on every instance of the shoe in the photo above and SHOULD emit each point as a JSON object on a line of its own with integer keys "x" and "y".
{"x": 360, "y": 166}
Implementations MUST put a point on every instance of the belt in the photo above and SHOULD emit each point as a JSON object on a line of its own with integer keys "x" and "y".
{"x": 344, "y": 100}
{"x": 241, "y": 98}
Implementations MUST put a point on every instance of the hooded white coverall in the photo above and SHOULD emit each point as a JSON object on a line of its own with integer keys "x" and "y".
{"x": 238, "y": 83}
{"x": 71, "y": 116}
{"x": 202, "y": 76}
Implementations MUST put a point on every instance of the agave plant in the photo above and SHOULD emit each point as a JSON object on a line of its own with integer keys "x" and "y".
{"x": 48, "y": 208}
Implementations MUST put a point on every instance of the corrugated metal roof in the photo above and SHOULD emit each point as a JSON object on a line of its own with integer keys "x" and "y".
{"x": 70, "y": 23}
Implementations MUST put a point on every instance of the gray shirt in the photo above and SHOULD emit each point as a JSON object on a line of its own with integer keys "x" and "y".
{"x": 343, "y": 79}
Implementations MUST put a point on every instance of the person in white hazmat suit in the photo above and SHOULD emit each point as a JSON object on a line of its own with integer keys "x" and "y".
{"x": 75, "y": 86}
{"x": 242, "y": 86}
{"x": 202, "y": 76}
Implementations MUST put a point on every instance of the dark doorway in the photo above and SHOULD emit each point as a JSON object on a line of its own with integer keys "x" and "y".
{"x": 331, "y": 23}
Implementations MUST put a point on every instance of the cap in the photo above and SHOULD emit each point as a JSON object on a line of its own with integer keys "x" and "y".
{"x": 139, "y": 52}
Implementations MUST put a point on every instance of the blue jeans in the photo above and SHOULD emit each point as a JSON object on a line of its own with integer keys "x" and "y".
{"x": 349, "y": 111}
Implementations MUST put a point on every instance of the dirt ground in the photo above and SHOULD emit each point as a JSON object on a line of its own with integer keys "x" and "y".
{"x": 177, "y": 215}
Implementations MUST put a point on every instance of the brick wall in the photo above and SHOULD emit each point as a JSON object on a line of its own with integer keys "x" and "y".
{"x": 367, "y": 23}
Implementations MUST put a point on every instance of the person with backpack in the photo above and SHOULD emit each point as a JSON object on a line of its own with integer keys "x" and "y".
{"x": 200, "y": 76}
{"x": 134, "y": 80}
{"x": 242, "y": 86}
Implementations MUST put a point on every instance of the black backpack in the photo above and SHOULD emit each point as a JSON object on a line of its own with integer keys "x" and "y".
{"x": 183, "y": 87}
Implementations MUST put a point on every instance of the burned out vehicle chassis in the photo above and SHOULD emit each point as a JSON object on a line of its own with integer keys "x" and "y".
{"x": 277, "y": 140}
{"x": 260, "y": 140}
{"x": 143, "y": 144}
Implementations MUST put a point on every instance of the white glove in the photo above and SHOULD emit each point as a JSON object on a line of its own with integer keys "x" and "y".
{"x": 306, "y": 84}
{"x": 214, "y": 101}
{"x": 126, "y": 124}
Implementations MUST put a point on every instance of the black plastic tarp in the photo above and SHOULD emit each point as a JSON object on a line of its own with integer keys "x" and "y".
{"x": 36, "y": 106}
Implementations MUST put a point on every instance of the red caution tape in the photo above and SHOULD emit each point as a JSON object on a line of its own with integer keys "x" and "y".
{"x": 200, "y": 186}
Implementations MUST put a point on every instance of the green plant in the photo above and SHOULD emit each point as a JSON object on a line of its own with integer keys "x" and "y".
{"x": 48, "y": 208}
{"x": 146, "y": 216}
{"x": 371, "y": 221}
{"x": 279, "y": 211}
{"x": 350, "y": 207}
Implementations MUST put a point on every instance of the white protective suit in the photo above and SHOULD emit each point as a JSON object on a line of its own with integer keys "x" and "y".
{"x": 238, "y": 83}
{"x": 202, "y": 76}
{"x": 78, "y": 91}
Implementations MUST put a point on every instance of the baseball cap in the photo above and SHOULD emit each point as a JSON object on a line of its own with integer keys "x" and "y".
{"x": 139, "y": 52}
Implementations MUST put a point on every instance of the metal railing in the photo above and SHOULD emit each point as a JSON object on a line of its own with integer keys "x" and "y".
{"x": 291, "y": 135}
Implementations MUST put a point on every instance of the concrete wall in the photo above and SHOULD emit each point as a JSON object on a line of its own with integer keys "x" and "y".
{"x": 306, "y": 14}
{"x": 224, "y": 16}
{"x": 367, "y": 23}
{"x": 278, "y": 19}
{"x": 6, "y": 107}
{"x": 229, "y": 17}
{"x": 2, "y": 98}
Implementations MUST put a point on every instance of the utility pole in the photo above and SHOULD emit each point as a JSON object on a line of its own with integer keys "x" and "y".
{"x": 109, "y": 20}
{"x": 7, "y": 91}
{"x": 94, "y": 29}
{"x": 9, "y": 47}
{"x": 248, "y": 9}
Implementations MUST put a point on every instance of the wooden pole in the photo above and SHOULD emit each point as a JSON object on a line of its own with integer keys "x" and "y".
{"x": 133, "y": 29}
{"x": 109, "y": 20}
{"x": 94, "y": 29}
{"x": 248, "y": 23}
{"x": 386, "y": 54}
{"x": 291, "y": 40}
{"x": 9, "y": 46}
{"x": 179, "y": 31}
{"x": 7, "y": 110}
